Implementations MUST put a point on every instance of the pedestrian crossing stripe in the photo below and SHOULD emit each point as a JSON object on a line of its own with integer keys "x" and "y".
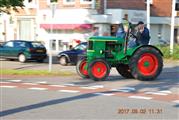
{"x": 36, "y": 88}
{"x": 166, "y": 95}
{"x": 69, "y": 91}
{"x": 140, "y": 97}
{"x": 7, "y": 86}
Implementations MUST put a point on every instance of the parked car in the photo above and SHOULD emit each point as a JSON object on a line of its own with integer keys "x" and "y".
{"x": 23, "y": 50}
{"x": 72, "y": 56}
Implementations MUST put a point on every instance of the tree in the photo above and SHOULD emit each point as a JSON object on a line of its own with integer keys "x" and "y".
{"x": 53, "y": 1}
{"x": 7, "y": 5}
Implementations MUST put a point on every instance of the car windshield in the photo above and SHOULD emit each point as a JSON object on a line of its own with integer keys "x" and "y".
{"x": 80, "y": 47}
{"x": 36, "y": 44}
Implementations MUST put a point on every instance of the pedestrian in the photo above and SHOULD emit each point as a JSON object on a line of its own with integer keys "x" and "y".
{"x": 123, "y": 28}
{"x": 95, "y": 31}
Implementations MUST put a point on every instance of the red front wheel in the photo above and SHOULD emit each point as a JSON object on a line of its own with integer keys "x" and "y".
{"x": 81, "y": 68}
{"x": 99, "y": 70}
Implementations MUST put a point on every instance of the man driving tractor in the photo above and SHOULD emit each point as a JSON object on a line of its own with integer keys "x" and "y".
{"x": 141, "y": 34}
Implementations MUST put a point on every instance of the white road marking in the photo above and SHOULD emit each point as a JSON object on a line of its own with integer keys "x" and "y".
{"x": 34, "y": 88}
{"x": 4, "y": 82}
{"x": 176, "y": 101}
{"x": 15, "y": 80}
{"x": 29, "y": 83}
{"x": 163, "y": 92}
{"x": 56, "y": 85}
{"x": 166, "y": 91}
{"x": 140, "y": 97}
{"x": 5, "y": 86}
{"x": 120, "y": 90}
{"x": 104, "y": 94}
{"x": 97, "y": 86}
{"x": 127, "y": 88}
{"x": 91, "y": 88}
{"x": 70, "y": 84}
{"x": 124, "y": 89}
{"x": 69, "y": 91}
{"x": 41, "y": 82}
{"x": 155, "y": 93}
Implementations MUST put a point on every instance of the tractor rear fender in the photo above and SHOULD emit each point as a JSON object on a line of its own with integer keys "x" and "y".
{"x": 131, "y": 52}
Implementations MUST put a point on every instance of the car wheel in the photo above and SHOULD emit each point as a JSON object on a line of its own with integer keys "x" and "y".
{"x": 22, "y": 58}
{"x": 63, "y": 60}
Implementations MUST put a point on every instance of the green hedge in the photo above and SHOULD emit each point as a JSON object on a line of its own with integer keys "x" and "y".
{"x": 166, "y": 52}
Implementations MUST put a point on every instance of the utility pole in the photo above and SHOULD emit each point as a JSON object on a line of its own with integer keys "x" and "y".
{"x": 172, "y": 27}
{"x": 53, "y": 8}
{"x": 148, "y": 13}
{"x": 105, "y": 6}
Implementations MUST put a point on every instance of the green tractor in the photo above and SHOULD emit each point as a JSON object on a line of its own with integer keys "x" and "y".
{"x": 143, "y": 62}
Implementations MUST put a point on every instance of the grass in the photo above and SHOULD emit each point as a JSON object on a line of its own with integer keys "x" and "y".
{"x": 166, "y": 52}
{"x": 36, "y": 72}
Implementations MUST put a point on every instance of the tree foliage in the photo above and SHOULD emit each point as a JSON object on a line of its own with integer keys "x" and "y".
{"x": 7, "y": 5}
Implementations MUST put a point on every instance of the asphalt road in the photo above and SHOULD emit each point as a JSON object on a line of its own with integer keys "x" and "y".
{"x": 38, "y": 98}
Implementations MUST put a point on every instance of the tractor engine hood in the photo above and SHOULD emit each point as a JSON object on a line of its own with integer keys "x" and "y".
{"x": 106, "y": 38}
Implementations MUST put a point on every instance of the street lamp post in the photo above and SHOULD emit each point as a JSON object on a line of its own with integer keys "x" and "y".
{"x": 172, "y": 27}
{"x": 148, "y": 14}
{"x": 53, "y": 8}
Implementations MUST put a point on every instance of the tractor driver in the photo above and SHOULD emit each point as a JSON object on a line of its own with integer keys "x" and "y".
{"x": 142, "y": 36}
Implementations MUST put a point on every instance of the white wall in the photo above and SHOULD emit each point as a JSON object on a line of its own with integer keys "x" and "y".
{"x": 66, "y": 16}
{"x": 1, "y": 28}
{"x": 166, "y": 32}
{"x": 154, "y": 34}
{"x": 164, "y": 29}
{"x": 133, "y": 15}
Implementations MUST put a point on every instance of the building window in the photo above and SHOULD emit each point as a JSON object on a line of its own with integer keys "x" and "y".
{"x": 86, "y": 1}
{"x": 51, "y": 1}
{"x": 68, "y": 1}
{"x": 30, "y": 3}
{"x": 9, "y": 44}
{"x": 177, "y": 7}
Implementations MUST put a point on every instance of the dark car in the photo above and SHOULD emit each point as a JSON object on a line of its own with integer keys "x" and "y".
{"x": 23, "y": 50}
{"x": 72, "y": 56}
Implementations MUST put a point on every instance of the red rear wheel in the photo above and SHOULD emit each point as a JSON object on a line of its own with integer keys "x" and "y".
{"x": 148, "y": 64}
{"x": 81, "y": 68}
{"x": 99, "y": 69}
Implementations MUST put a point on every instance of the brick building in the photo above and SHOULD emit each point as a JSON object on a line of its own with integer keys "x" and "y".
{"x": 74, "y": 20}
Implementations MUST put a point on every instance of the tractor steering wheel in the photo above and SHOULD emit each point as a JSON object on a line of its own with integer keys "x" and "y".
{"x": 134, "y": 36}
